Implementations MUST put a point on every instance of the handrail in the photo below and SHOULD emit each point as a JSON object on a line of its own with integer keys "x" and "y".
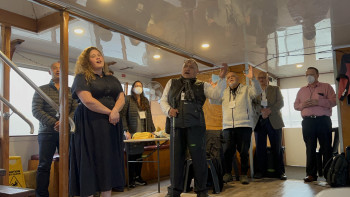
{"x": 36, "y": 88}
{"x": 18, "y": 113}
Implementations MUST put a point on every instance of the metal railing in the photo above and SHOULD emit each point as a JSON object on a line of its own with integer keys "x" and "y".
{"x": 36, "y": 88}
{"x": 6, "y": 115}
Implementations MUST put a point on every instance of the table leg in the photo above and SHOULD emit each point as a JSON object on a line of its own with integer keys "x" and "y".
{"x": 127, "y": 169}
{"x": 158, "y": 166}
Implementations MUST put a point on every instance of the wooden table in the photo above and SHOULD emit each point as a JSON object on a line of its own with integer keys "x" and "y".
{"x": 157, "y": 141}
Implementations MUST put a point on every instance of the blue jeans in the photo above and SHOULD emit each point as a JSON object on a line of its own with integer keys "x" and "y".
{"x": 48, "y": 142}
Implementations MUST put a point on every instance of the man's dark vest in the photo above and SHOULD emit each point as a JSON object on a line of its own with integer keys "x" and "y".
{"x": 190, "y": 112}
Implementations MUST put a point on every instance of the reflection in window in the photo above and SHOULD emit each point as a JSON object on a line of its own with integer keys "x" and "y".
{"x": 291, "y": 117}
{"x": 323, "y": 40}
{"x": 290, "y": 43}
{"x": 21, "y": 96}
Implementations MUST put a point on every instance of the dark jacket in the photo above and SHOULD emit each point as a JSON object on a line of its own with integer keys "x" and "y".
{"x": 47, "y": 115}
{"x": 275, "y": 103}
{"x": 190, "y": 112}
{"x": 130, "y": 115}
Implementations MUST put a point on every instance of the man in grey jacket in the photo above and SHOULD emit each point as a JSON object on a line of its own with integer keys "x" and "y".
{"x": 270, "y": 123}
{"x": 48, "y": 128}
{"x": 238, "y": 121}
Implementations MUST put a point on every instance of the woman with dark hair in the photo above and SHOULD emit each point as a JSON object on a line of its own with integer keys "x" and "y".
{"x": 96, "y": 149}
{"x": 136, "y": 117}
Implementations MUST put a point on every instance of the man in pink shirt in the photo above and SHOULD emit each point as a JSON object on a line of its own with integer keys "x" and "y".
{"x": 315, "y": 101}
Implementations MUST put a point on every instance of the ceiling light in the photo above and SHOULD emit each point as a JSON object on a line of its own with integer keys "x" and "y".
{"x": 299, "y": 65}
{"x": 156, "y": 56}
{"x": 78, "y": 31}
{"x": 105, "y": 1}
{"x": 205, "y": 45}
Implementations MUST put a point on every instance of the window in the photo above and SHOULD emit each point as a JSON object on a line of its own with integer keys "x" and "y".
{"x": 21, "y": 96}
{"x": 291, "y": 117}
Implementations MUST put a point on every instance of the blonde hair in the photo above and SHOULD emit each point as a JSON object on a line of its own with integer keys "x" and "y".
{"x": 84, "y": 66}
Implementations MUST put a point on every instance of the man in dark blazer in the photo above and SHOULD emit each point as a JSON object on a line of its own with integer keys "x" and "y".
{"x": 270, "y": 123}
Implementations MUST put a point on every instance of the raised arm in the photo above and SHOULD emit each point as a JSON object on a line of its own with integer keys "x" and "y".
{"x": 215, "y": 93}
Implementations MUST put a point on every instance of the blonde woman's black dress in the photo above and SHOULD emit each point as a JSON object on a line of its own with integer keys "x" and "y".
{"x": 96, "y": 148}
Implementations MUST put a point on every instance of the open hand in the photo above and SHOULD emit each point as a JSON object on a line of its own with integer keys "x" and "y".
{"x": 250, "y": 74}
{"x": 223, "y": 70}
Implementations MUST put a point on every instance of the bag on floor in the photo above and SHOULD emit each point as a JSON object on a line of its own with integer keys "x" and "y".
{"x": 336, "y": 171}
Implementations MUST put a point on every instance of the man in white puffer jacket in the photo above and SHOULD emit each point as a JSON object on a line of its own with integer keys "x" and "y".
{"x": 239, "y": 118}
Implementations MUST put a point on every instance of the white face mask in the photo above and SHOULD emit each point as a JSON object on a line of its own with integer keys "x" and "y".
{"x": 137, "y": 90}
{"x": 310, "y": 79}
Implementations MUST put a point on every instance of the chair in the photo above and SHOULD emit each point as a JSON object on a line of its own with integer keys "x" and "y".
{"x": 213, "y": 174}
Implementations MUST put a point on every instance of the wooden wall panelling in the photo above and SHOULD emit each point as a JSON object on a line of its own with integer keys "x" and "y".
{"x": 344, "y": 107}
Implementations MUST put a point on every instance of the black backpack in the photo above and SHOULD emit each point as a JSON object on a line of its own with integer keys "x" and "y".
{"x": 336, "y": 171}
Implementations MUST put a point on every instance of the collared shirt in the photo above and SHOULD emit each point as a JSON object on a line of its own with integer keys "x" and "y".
{"x": 325, "y": 95}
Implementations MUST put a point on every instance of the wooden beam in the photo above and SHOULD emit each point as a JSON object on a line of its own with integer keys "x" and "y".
{"x": 4, "y": 134}
{"x": 14, "y": 44}
{"x": 12, "y": 19}
{"x": 64, "y": 103}
{"x": 49, "y": 21}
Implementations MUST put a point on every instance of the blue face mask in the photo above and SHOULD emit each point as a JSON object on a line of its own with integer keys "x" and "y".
{"x": 215, "y": 78}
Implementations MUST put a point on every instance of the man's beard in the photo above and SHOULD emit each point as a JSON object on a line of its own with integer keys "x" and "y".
{"x": 233, "y": 84}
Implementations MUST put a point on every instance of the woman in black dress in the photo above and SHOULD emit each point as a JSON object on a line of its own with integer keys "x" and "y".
{"x": 96, "y": 149}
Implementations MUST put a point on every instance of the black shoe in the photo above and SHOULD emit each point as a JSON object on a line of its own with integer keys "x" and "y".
{"x": 283, "y": 177}
{"x": 132, "y": 184}
{"x": 115, "y": 189}
{"x": 203, "y": 195}
{"x": 140, "y": 181}
{"x": 169, "y": 195}
{"x": 310, "y": 178}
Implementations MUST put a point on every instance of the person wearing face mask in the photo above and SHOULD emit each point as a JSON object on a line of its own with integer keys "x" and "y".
{"x": 315, "y": 102}
{"x": 238, "y": 120}
{"x": 183, "y": 99}
{"x": 136, "y": 117}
